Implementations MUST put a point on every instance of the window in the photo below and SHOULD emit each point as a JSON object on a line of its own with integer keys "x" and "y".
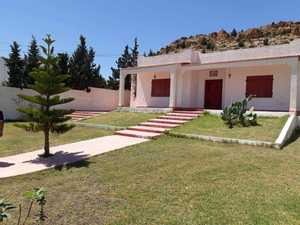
{"x": 260, "y": 86}
{"x": 160, "y": 88}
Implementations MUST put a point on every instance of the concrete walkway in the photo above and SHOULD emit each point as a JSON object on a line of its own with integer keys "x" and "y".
{"x": 64, "y": 154}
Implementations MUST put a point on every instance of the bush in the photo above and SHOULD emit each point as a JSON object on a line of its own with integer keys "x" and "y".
{"x": 36, "y": 197}
{"x": 236, "y": 113}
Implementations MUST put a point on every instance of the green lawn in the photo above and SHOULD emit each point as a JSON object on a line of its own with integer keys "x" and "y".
{"x": 267, "y": 130}
{"x": 172, "y": 181}
{"x": 16, "y": 140}
{"x": 122, "y": 119}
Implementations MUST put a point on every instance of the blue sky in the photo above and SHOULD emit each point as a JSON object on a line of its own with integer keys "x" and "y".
{"x": 110, "y": 25}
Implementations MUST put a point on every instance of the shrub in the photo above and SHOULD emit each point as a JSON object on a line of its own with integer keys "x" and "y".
{"x": 36, "y": 196}
{"x": 236, "y": 113}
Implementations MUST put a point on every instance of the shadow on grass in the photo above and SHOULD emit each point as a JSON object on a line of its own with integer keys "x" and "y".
{"x": 293, "y": 138}
{"x": 62, "y": 160}
{"x": 5, "y": 164}
{"x": 80, "y": 164}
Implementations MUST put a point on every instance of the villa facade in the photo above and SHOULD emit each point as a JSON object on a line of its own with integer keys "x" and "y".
{"x": 194, "y": 80}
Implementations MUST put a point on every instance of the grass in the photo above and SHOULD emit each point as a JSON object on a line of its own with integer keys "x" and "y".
{"x": 268, "y": 128}
{"x": 172, "y": 181}
{"x": 122, "y": 119}
{"x": 16, "y": 140}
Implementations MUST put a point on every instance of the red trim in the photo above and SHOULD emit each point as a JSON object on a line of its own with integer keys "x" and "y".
{"x": 160, "y": 87}
{"x": 213, "y": 92}
{"x": 260, "y": 86}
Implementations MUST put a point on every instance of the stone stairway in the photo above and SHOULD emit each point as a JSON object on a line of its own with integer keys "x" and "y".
{"x": 153, "y": 128}
{"x": 81, "y": 115}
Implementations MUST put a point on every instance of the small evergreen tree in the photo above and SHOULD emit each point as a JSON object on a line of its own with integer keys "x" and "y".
{"x": 32, "y": 60}
{"x": 15, "y": 65}
{"x": 233, "y": 33}
{"x": 48, "y": 83}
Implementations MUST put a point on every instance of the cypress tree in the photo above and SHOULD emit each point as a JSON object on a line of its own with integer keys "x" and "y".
{"x": 135, "y": 53}
{"x": 48, "y": 83}
{"x": 32, "y": 60}
{"x": 15, "y": 65}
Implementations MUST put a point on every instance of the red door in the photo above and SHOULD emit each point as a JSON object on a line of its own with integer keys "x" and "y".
{"x": 213, "y": 94}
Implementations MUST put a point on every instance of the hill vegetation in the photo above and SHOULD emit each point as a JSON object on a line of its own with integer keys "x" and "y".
{"x": 272, "y": 34}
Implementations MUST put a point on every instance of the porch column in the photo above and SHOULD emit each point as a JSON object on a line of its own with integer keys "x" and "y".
{"x": 295, "y": 87}
{"x": 173, "y": 80}
{"x": 122, "y": 89}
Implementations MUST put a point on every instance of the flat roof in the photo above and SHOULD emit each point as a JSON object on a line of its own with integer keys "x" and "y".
{"x": 190, "y": 56}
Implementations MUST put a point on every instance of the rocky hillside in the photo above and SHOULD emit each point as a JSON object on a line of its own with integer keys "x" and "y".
{"x": 272, "y": 34}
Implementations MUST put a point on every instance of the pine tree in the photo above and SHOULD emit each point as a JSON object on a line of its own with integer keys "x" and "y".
{"x": 127, "y": 59}
{"x": 95, "y": 78}
{"x": 78, "y": 66}
{"x": 32, "y": 60}
{"x": 233, "y": 33}
{"x": 48, "y": 83}
{"x": 84, "y": 72}
{"x": 15, "y": 65}
{"x": 63, "y": 66}
{"x": 63, "y": 63}
{"x": 152, "y": 53}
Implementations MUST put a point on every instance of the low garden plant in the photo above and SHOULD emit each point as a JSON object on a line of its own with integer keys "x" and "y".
{"x": 36, "y": 197}
{"x": 237, "y": 113}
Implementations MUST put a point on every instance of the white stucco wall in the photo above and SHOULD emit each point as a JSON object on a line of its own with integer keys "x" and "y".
{"x": 143, "y": 91}
{"x": 98, "y": 99}
{"x": 3, "y": 71}
{"x": 236, "y": 87}
{"x": 191, "y": 88}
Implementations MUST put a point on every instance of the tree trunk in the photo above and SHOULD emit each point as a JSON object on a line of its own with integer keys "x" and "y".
{"x": 46, "y": 144}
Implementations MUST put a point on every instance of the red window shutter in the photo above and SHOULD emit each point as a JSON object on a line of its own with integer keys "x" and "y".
{"x": 160, "y": 88}
{"x": 260, "y": 86}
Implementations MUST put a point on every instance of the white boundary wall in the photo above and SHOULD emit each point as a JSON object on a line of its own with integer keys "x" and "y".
{"x": 97, "y": 100}
{"x": 3, "y": 71}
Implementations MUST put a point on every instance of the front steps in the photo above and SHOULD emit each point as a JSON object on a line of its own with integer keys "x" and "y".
{"x": 138, "y": 134}
{"x": 153, "y": 128}
{"x": 81, "y": 115}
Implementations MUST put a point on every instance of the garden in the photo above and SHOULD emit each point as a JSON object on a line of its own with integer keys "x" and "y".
{"x": 170, "y": 181}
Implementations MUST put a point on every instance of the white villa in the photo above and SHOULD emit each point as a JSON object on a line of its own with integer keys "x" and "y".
{"x": 193, "y": 80}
